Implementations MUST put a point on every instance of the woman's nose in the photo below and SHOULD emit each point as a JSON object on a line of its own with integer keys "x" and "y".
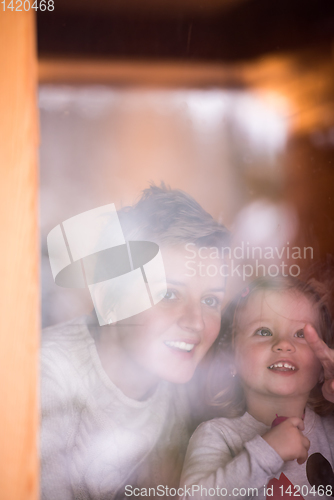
{"x": 283, "y": 345}
{"x": 191, "y": 318}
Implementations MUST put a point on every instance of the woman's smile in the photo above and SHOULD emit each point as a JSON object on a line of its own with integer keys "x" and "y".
{"x": 180, "y": 345}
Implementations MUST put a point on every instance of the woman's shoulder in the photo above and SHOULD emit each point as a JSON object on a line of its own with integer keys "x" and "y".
{"x": 64, "y": 339}
{"x": 66, "y": 349}
{"x": 75, "y": 330}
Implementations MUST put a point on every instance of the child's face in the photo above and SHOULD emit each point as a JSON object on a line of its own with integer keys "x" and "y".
{"x": 271, "y": 355}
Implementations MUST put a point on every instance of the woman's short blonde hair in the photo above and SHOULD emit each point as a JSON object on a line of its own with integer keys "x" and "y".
{"x": 171, "y": 217}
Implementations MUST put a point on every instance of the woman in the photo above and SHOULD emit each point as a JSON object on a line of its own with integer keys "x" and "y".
{"x": 114, "y": 417}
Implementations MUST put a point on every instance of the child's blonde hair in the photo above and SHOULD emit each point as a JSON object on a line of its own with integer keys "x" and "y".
{"x": 225, "y": 391}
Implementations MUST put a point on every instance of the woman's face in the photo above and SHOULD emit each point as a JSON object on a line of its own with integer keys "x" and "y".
{"x": 170, "y": 339}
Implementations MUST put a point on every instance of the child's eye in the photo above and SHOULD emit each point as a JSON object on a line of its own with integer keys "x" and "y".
{"x": 264, "y": 332}
{"x": 210, "y": 301}
{"x": 300, "y": 334}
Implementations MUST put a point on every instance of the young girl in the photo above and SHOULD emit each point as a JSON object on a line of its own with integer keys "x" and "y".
{"x": 272, "y": 373}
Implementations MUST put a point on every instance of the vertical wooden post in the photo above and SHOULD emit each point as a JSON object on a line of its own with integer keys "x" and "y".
{"x": 19, "y": 295}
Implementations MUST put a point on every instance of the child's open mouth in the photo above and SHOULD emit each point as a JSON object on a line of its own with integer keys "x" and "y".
{"x": 282, "y": 367}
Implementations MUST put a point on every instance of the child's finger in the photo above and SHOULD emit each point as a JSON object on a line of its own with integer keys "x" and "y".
{"x": 303, "y": 457}
{"x": 297, "y": 422}
{"x": 320, "y": 349}
{"x": 328, "y": 390}
{"x": 305, "y": 447}
{"x": 306, "y": 443}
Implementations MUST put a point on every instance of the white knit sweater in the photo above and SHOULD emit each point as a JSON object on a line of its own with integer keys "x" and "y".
{"x": 94, "y": 439}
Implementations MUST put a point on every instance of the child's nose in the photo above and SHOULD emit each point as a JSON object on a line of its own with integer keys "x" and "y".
{"x": 283, "y": 345}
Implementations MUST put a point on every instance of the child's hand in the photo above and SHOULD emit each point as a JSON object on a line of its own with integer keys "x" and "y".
{"x": 288, "y": 440}
{"x": 326, "y": 358}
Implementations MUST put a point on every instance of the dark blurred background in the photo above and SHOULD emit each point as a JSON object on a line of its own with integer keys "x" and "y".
{"x": 186, "y": 30}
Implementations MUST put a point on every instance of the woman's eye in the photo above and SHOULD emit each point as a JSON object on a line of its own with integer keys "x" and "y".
{"x": 300, "y": 334}
{"x": 170, "y": 295}
{"x": 264, "y": 332}
{"x": 210, "y": 301}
